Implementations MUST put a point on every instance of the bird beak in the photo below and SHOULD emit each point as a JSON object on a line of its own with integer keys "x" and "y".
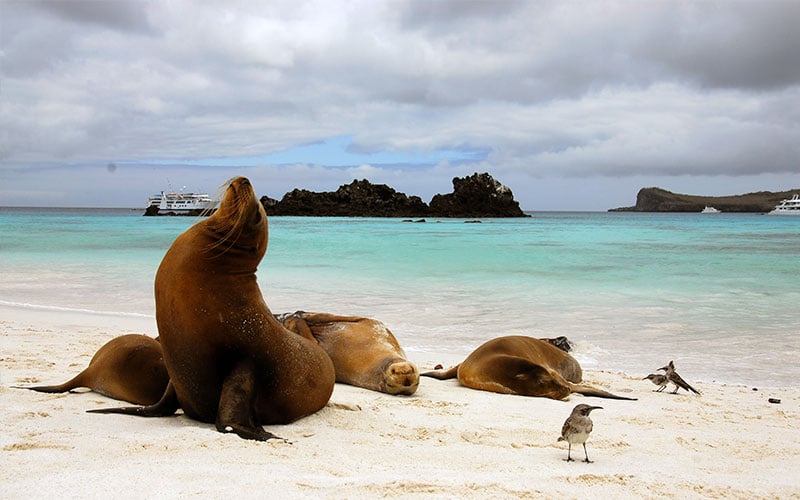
{"x": 597, "y": 407}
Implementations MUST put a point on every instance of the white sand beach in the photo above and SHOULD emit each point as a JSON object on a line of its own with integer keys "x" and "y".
{"x": 446, "y": 441}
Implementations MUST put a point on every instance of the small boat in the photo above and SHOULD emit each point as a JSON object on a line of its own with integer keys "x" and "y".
{"x": 710, "y": 210}
{"x": 180, "y": 203}
{"x": 788, "y": 207}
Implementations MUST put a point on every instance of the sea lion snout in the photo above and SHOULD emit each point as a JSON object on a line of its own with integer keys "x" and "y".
{"x": 402, "y": 377}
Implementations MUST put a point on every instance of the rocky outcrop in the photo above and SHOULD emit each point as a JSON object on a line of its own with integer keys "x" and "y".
{"x": 357, "y": 199}
{"x": 479, "y": 195}
{"x": 660, "y": 200}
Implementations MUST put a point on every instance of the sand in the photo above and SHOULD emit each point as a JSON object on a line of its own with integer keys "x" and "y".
{"x": 446, "y": 441}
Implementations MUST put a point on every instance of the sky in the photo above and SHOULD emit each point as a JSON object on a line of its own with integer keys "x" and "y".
{"x": 574, "y": 105}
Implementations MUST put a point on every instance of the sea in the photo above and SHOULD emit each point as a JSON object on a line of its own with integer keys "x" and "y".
{"x": 717, "y": 293}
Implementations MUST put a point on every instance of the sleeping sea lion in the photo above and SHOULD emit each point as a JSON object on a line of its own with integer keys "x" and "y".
{"x": 129, "y": 368}
{"x": 230, "y": 362}
{"x": 364, "y": 352}
{"x": 522, "y": 365}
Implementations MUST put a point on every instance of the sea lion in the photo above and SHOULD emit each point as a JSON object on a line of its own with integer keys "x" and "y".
{"x": 230, "y": 362}
{"x": 129, "y": 368}
{"x": 364, "y": 352}
{"x": 522, "y": 365}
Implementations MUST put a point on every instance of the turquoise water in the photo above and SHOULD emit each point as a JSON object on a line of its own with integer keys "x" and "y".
{"x": 717, "y": 293}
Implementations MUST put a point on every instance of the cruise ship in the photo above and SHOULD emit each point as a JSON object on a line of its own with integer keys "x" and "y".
{"x": 180, "y": 203}
{"x": 788, "y": 207}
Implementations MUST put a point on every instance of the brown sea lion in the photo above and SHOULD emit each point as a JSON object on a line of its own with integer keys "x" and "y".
{"x": 129, "y": 368}
{"x": 364, "y": 352}
{"x": 522, "y": 365}
{"x": 229, "y": 360}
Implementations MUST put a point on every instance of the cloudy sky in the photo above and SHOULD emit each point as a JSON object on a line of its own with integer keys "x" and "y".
{"x": 573, "y": 105}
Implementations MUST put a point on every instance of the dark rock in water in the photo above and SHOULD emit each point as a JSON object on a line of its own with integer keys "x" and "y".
{"x": 774, "y": 401}
{"x": 476, "y": 196}
{"x": 357, "y": 199}
{"x": 660, "y": 200}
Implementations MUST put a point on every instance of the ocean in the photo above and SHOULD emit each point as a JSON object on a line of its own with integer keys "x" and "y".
{"x": 718, "y": 294}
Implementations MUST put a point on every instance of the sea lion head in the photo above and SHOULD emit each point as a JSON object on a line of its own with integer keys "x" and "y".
{"x": 240, "y": 222}
{"x": 400, "y": 377}
{"x": 542, "y": 381}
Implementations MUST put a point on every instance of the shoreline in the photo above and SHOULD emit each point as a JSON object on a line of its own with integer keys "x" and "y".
{"x": 446, "y": 441}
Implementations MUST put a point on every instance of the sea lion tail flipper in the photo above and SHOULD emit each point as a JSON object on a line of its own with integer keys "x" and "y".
{"x": 598, "y": 393}
{"x": 73, "y": 383}
{"x": 166, "y": 406}
{"x": 235, "y": 413}
{"x": 443, "y": 374}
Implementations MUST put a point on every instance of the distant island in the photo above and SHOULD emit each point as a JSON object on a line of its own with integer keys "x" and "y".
{"x": 475, "y": 196}
{"x": 655, "y": 199}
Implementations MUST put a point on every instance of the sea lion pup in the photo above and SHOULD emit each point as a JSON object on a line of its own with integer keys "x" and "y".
{"x": 522, "y": 365}
{"x": 364, "y": 352}
{"x": 129, "y": 368}
{"x": 230, "y": 362}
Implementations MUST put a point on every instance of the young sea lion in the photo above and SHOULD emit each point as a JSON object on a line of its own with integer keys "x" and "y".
{"x": 364, "y": 352}
{"x": 521, "y": 365}
{"x": 129, "y": 368}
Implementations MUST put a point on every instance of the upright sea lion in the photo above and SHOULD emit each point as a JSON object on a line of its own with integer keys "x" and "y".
{"x": 129, "y": 368}
{"x": 364, "y": 352}
{"x": 522, "y": 365}
{"x": 229, "y": 360}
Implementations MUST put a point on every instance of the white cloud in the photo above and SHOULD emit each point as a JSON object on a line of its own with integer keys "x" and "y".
{"x": 538, "y": 89}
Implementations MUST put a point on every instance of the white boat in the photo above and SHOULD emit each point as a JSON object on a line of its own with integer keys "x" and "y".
{"x": 180, "y": 202}
{"x": 788, "y": 207}
{"x": 710, "y": 210}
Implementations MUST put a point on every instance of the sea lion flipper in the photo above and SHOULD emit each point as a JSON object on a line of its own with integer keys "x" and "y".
{"x": 74, "y": 383}
{"x": 296, "y": 324}
{"x": 443, "y": 374}
{"x": 236, "y": 402}
{"x": 166, "y": 406}
{"x": 598, "y": 393}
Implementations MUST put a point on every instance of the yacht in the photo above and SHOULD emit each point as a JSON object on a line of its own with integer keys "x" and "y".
{"x": 788, "y": 207}
{"x": 180, "y": 203}
{"x": 710, "y": 210}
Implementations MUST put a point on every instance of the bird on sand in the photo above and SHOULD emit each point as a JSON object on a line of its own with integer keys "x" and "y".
{"x": 658, "y": 379}
{"x": 676, "y": 379}
{"x": 577, "y": 427}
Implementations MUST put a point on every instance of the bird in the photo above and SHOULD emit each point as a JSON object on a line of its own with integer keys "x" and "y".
{"x": 577, "y": 427}
{"x": 660, "y": 380}
{"x": 676, "y": 379}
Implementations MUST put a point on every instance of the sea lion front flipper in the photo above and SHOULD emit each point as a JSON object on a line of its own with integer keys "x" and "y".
{"x": 166, "y": 406}
{"x": 297, "y": 324}
{"x": 235, "y": 413}
{"x": 598, "y": 393}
